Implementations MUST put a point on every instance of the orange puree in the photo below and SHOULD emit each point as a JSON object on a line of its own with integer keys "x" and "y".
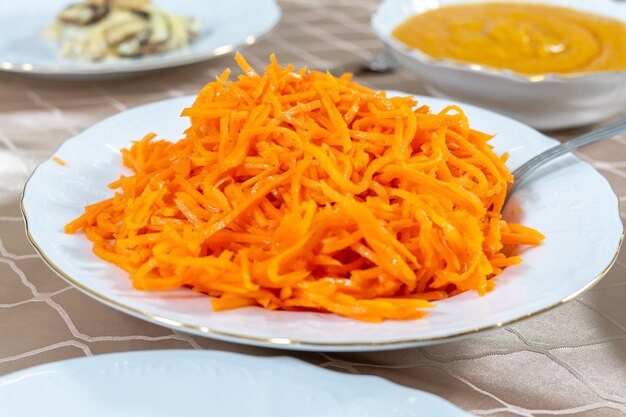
{"x": 526, "y": 38}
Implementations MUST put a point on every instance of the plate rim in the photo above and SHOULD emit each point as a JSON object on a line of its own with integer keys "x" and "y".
{"x": 164, "y": 62}
{"x": 296, "y": 344}
{"x": 228, "y": 357}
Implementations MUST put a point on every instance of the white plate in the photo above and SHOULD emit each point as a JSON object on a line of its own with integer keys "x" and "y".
{"x": 549, "y": 101}
{"x": 572, "y": 204}
{"x": 202, "y": 383}
{"x": 224, "y": 27}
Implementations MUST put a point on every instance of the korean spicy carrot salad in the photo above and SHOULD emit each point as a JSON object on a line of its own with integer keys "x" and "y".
{"x": 298, "y": 190}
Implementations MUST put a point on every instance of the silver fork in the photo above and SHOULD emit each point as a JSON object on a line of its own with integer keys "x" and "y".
{"x": 380, "y": 63}
{"x": 522, "y": 173}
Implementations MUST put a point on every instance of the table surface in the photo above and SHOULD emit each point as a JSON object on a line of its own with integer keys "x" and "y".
{"x": 570, "y": 360}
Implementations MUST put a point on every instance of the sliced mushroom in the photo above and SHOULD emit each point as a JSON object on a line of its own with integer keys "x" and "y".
{"x": 130, "y": 4}
{"x": 193, "y": 27}
{"x": 140, "y": 13}
{"x": 183, "y": 30}
{"x": 83, "y": 14}
{"x": 160, "y": 33}
{"x": 160, "y": 27}
{"x": 125, "y": 30}
{"x": 133, "y": 46}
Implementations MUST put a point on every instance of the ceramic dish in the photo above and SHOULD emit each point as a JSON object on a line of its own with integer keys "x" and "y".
{"x": 572, "y": 204}
{"x": 224, "y": 27}
{"x": 200, "y": 383}
{"x": 545, "y": 102}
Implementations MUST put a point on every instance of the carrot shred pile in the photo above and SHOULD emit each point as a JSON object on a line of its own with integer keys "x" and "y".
{"x": 298, "y": 190}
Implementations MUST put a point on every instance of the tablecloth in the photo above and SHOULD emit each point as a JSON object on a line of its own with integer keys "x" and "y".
{"x": 568, "y": 361}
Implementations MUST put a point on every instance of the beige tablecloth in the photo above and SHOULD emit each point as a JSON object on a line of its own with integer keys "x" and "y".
{"x": 568, "y": 361}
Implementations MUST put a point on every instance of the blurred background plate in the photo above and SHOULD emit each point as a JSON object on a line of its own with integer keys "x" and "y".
{"x": 225, "y": 26}
{"x": 202, "y": 383}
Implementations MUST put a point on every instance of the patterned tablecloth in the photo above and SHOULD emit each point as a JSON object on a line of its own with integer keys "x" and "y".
{"x": 568, "y": 361}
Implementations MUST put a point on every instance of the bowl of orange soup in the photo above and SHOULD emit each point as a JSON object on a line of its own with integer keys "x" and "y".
{"x": 552, "y": 64}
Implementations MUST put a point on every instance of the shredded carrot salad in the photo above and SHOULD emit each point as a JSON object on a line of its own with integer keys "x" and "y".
{"x": 298, "y": 190}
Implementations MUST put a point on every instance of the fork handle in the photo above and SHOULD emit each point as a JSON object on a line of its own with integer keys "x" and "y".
{"x": 521, "y": 174}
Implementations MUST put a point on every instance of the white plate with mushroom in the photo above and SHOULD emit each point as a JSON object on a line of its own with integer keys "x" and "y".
{"x": 97, "y": 39}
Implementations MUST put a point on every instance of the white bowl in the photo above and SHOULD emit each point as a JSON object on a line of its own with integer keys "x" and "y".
{"x": 548, "y": 101}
